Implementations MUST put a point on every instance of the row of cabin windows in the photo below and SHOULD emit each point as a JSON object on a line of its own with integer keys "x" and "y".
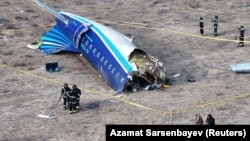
{"x": 102, "y": 59}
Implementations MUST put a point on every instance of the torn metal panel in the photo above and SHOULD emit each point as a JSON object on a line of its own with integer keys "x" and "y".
{"x": 148, "y": 71}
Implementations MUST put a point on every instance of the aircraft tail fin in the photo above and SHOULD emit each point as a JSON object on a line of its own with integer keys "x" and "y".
{"x": 51, "y": 11}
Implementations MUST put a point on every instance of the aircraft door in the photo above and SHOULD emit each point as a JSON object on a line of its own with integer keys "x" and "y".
{"x": 79, "y": 34}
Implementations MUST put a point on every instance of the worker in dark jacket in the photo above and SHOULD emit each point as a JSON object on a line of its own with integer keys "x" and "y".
{"x": 210, "y": 120}
{"x": 241, "y": 37}
{"x": 72, "y": 102}
{"x": 215, "y": 21}
{"x": 78, "y": 95}
{"x": 65, "y": 92}
{"x": 74, "y": 99}
{"x": 201, "y": 26}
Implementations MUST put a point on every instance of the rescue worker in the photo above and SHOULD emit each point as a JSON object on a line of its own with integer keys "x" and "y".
{"x": 77, "y": 93}
{"x": 241, "y": 37}
{"x": 201, "y": 26}
{"x": 72, "y": 102}
{"x": 215, "y": 21}
{"x": 210, "y": 120}
{"x": 198, "y": 119}
{"x": 65, "y": 92}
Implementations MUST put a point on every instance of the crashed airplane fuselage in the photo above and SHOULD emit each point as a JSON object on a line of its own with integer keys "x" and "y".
{"x": 111, "y": 53}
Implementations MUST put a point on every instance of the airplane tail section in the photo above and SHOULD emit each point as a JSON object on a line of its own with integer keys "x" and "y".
{"x": 57, "y": 38}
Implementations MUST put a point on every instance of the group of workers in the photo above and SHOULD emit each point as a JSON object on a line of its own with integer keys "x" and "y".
{"x": 215, "y": 21}
{"x": 71, "y": 98}
{"x": 215, "y": 24}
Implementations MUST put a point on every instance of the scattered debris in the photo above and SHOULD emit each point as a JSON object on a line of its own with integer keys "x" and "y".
{"x": 35, "y": 45}
{"x": 114, "y": 101}
{"x": 176, "y": 75}
{"x": 93, "y": 105}
{"x": 118, "y": 96}
{"x": 46, "y": 116}
{"x": 52, "y": 67}
{"x": 164, "y": 86}
{"x": 152, "y": 87}
{"x": 190, "y": 79}
{"x": 241, "y": 68}
{"x": 148, "y": 71}
{"x": 169, "y": 81}
{"x": 149, "y": 87}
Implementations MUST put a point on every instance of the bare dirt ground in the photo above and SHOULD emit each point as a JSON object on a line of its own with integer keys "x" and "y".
{"x": 167, "y": 29}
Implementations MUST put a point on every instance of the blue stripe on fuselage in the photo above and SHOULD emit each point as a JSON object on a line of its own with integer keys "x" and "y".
{"x": 121, "y": 58}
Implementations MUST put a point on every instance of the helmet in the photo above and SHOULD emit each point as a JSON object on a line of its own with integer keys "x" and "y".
{"x": 74, "y": 87}
{"x": 65, "y": 85}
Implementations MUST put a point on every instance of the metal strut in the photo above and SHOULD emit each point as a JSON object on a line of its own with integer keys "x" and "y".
{"x": 51, "y": 11}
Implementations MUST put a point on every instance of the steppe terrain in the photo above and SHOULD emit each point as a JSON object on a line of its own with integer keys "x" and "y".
{"x": 166, "y": 29}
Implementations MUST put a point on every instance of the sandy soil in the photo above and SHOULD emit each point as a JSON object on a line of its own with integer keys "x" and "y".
{"x": 168, "y": 30}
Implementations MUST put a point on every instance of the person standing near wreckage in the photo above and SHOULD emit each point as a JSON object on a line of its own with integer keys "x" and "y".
{"x": 210, "y": 120}
{"x": 198, "y": 119}
{"x": 74, "y": 99}
{"x": 77, "y": 92}
{"x": 241, "y": 37}
{"x": 72, "y": 102}
{"x": 65, "y": 92}
{"x": 215, "y": 20}
{"x": 201, "y": 26}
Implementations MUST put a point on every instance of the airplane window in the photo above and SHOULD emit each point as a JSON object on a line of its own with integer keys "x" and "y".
{"x": 90, "y": 46}
{"x": 98, "y": 54}
{"x": 117, "y": 74}
{"x": 122, "y": 79}
{"x": 113, "y": 70}
{"x": 106, "y": 62}
{"x": 94, "y": 50}
{"x": 86, "y": 43}
{"x": 110, "y": 66}
{"x": 102, "y": 58}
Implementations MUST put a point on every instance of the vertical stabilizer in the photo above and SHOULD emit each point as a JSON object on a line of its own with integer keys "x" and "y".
{"x": 51, "y": 11}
